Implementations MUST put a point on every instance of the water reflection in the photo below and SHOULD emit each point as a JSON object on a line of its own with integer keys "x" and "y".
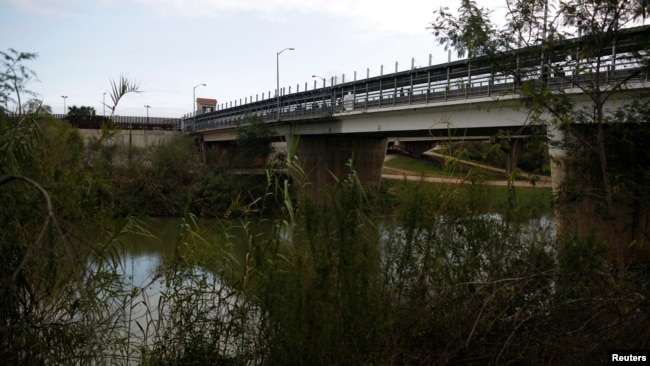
{"x": 200, "y": 289}
{"x": 144, "y": 254}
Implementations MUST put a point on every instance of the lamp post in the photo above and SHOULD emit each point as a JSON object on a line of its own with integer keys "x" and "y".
{"x": 147, "y": 106}
{"x": 277, "y": 65}
{"x": 319, "y": 77}
{"x": 104, "y": 102}
{"x": 64, "y": 98}
{"x": 194, "y": 105}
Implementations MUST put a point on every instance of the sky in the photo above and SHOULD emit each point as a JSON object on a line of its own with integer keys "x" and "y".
{"x": 170, "y": 46}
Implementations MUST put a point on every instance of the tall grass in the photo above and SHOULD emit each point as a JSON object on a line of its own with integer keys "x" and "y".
{"x": 441, "y": 284}
{"x": 444, "y": 281}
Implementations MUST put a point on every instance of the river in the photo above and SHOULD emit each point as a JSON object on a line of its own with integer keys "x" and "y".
{"x": 196, "y": 288}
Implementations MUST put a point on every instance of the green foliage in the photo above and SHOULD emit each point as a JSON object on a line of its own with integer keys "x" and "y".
{"x": 203, "y": 316}
{"x": 120, "y": 88}
{"x": 14, "y": 75}
{"x": 596, "y": 194}
{"x": 314, "y": 290}
{"x": 470, "y": 33}
{"x": 99, "y": 152}
{"x": 35, "y": 106}
{"x": 253, "y": 143}
{"x": 83, "y": 111}
{"x": 18, "y": 139}
{"x": 446, "y": 281}
{"x": 168, "y": 180}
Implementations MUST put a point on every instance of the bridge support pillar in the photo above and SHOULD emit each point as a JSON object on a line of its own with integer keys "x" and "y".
{"x": 623, "y": 227}
{"x": 222, "y": 153}
{"x": 513, "y": 150}
{"x": 324, "y": 159}
{"x": 559, "y": 171}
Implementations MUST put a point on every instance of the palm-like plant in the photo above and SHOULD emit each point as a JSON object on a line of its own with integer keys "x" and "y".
{"x": 119, "y": 89}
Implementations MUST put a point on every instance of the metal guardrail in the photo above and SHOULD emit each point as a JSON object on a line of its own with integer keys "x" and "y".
{"x": 373, "y": 95}
{"x": 459, "y": 80}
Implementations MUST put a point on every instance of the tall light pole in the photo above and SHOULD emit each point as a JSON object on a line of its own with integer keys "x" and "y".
{"x": 104, "y": 103}
{"x": 277, "y": 65}
{"x": 194, "y": 105}
{"x": 319, "y": 77}
{"x": 64, "y": 98}
{"x": 147, "y": 106}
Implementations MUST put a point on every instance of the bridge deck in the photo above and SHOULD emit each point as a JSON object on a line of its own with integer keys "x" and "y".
{"x": 459, "y": 80}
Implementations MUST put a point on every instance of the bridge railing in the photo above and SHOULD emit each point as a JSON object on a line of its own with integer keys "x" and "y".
{"x": 468, "y": 84}
{"x": 459, "y": 80}
{"x": 123, "y": 122}
{"x": 422, "y": 89}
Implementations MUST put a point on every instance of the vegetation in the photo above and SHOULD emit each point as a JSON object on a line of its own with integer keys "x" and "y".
{"x": 439, "y": 165}
{"x": 254, "y": 143}
{"x": 540, "y": 35}
{"x": 443, "y": 280}
{"x": 82, "y": 111}
{"x": 529, "y": 202}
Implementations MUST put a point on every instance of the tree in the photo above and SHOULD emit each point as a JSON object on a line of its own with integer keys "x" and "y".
{"x": 254, "y": 142}
{"x": 15, "y": 75}
{"x": 36, "y": 106}
{"x": 531, "y": 47}
{"x": 55, "y": 297}
{"x": 119, "y": 89}
{"x": 82, "y": 111}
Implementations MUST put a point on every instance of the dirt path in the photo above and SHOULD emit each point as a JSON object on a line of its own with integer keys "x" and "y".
{"x": 401, "y": 174}
{"x": 454, "y": 180}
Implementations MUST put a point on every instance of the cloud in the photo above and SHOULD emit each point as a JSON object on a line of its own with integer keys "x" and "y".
{"x": 51, "y": 8}
{"x": 403, "y": 17}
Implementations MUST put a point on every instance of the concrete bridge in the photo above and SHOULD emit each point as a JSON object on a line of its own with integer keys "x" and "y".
{"x": 416, "y": 107}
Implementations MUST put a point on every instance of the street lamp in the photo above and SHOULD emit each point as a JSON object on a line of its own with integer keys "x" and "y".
{"x": 64, "y": 98}
{"x": 319, "y": 77}
{"x": 194, "y": 105}
{"x": 147, "y": 106}
{"x": 277, "y": 64}
{"x": 104, "y": 102}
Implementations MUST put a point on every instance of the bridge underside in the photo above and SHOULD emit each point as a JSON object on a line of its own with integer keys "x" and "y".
{"x": 325, "y": 146}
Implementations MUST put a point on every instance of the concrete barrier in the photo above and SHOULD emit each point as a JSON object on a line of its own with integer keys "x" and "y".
{"x": 138, "y": 138}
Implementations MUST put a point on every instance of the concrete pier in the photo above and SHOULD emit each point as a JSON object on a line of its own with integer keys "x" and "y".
{"x": 324, "y": 159}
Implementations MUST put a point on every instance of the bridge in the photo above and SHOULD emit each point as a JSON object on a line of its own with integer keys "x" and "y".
{"x": 140, "y": 131}
{"x": 468, "y": 98}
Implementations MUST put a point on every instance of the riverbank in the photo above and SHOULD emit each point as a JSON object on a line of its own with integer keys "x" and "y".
{"x": 428, "y": 169}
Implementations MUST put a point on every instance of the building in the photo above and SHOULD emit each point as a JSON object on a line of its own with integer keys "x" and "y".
{"x": 205, "y": 105}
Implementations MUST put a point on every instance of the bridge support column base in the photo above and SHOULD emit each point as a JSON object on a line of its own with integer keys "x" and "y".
{"x": 513, "y": 151}
{"x": 219, "y": 154}
{"x": 324, "y": 159}
{"x": 580, "y": 215}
